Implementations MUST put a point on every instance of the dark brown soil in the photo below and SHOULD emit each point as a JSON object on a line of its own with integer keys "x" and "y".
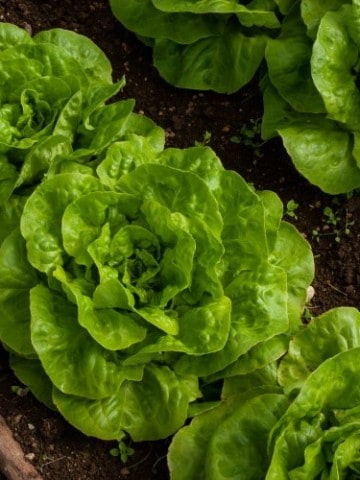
{"x": 58, "y": 451}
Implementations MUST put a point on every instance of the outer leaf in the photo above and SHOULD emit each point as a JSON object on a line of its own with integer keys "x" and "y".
{"x": 8, "y": 176}
{"x": 148, "y": 410}
{"x": 334, "y": 59}
{"x": 148, "y": 21}
{"x": 248, "y": 15}
{"x": 224, "y": 63}
{"x": 323, "y": 154}
{"x": 245, "y": 431}
{"x": 288, "y": 60}
{"x": 11, "y": 35}
{"x": 273, "y": 210}
{"x": 15, "y": 320}
{"x": 332, "y": 332}
{"x": 187, "y": 452}
{"x": 91, "y": 58}
{"x": 209, "y": 447}
{"x": 75, "y": 363}
{"x": 262, "y": 379}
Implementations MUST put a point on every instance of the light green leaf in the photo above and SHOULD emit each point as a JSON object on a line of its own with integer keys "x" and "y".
{"x": 333, "y": 64}
{"x": 89, "y": 56}
{"x": 201, "y": 330}
{"x": 112, "y": 329}
{"x": 256, "y": 358}
{"x": 243, "y": 234}
{"x": 11, "y": 35}
{"x": 332, "y": 332}
{"x": 200, "y": 160}
{"x": 83, "y": 219}
{"x": 293, "y": 253}
{"x": 123, "y": 157}
{"x": 148, "y": 410}
{"x": 312, "y": 12}
{"x": 262, "y": 379}
{"x": 182, "y": 192}
{"x": 259, "y": 312}
{"x": 273, "y": 210}
{"x": 237, "y": 449}
{"x": 75, "y": 363}
{"x": 41, "y": 219}
{"x": 209, "y": 447}
{"x": 41, "y": 157}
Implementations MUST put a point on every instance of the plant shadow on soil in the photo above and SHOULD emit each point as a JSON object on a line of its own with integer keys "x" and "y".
{"x": 57, "y": 450}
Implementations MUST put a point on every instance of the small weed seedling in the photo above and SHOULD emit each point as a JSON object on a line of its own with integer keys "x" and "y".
{"x": 250, "y": 136}
{"x": 205, "y": 141}
{"x": 332, "y": 219}
{"x": 291, "y": 207}
{"x": 20, "y": 391}
{"x": 123, "y": 450}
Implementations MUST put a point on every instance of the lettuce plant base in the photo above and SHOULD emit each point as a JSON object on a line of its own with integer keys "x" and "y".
{"x": 57, "y": 450}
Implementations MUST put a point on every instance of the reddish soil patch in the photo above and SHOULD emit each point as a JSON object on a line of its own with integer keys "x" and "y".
{"x": 57, "y": 450}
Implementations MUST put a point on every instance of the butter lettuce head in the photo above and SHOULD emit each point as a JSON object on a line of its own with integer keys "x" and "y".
{"x": 141, "y": 281}
{"x": 311, "y": 95}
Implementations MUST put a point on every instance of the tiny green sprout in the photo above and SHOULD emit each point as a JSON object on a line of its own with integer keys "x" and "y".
{"x": 20, "y": 391}
{"x": 250, "y": 136}
{"x": 123, "y": 450}
{"x": 336, "y": 226}
{"x": 332, "y": 218}
{"x": 291, "y": 207}
{"x": 306, "y": 317}
{"x": 205, "y": 141}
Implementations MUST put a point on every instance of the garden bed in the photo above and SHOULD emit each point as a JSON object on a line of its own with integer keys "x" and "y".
{"x": 228, "y": 124}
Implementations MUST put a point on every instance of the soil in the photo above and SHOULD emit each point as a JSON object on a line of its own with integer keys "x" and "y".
{"x": 57, "y": 450}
